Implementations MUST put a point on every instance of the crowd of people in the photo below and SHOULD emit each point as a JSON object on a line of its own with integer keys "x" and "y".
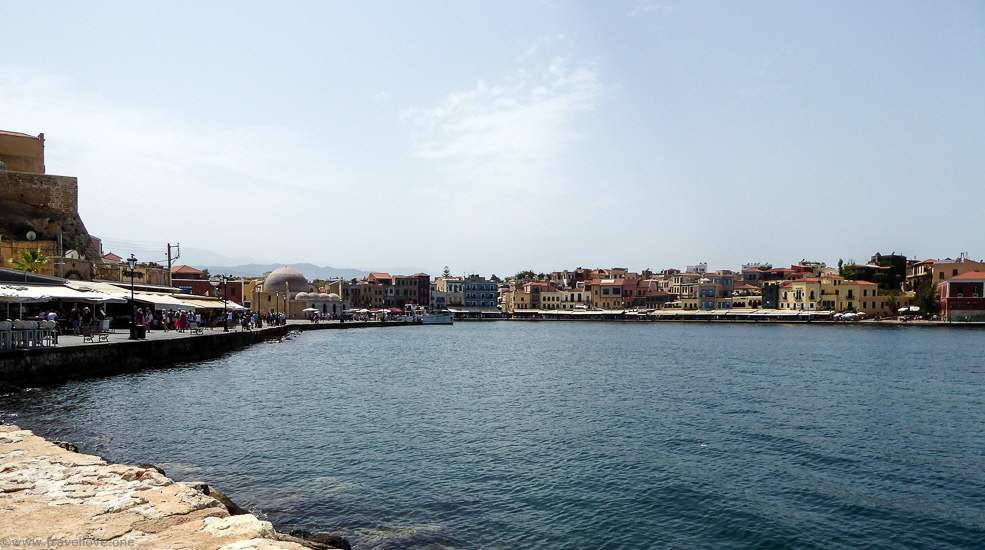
{"x": 77, "y": 318}
{"x": 205, "y": 319}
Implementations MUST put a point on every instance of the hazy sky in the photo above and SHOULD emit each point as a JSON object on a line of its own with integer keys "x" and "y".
{"x": 499, "y": 136}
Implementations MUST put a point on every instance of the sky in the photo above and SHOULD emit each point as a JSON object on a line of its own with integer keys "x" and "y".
{"x": 496, "y": 137}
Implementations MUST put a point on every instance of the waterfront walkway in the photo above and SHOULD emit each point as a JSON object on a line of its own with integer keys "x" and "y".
{"x": 123, "y": 335}
{"x": 74, "y": 358}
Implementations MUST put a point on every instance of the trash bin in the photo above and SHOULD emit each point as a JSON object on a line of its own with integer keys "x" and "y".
{"x": 138, "y": 332}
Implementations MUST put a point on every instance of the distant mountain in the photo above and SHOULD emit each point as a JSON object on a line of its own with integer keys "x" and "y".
{"x": 250, "y": 267}
{"x": 310, "y": 271}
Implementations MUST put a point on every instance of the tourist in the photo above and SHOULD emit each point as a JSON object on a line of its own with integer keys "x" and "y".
{"x": 74, "y": 317}
{"x": 86, "y": 317}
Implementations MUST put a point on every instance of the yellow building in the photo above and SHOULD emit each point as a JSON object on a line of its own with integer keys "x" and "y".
{"x": 22, "y": 152}
{"x": 833, "y": 293}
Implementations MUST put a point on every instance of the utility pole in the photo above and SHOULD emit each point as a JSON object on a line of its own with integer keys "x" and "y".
{"x": 171, "y": 259}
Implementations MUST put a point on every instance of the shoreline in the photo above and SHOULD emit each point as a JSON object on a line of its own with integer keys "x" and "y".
{"x": 75, "y": 359}
{"x": 54, "y": 496}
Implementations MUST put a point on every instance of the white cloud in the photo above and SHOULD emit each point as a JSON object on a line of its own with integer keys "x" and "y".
{"x": 644, "y": 8}
{"x": 508, "y": 136}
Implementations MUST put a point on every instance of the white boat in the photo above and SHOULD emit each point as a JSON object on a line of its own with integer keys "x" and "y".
{"x": 419, "y": 314}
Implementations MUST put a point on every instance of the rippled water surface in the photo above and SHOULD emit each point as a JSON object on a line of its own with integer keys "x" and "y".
{"x": 558, "y": 435}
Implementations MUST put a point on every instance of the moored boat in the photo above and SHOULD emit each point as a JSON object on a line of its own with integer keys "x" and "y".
{"x": 419, "y": 314}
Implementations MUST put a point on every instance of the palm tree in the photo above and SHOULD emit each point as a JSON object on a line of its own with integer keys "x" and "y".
{"x": 31, "y": 261}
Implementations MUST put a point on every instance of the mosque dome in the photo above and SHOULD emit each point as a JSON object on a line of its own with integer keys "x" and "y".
{"x": 303, "y": 296}
{"x": 285, "y": 279}
{"x": 333, "y": 297}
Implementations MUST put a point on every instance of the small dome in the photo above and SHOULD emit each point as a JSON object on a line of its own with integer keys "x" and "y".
{"x": 303, "y": 296}
{"x": 333, "y": 297}
{"x": 285, "y": 279}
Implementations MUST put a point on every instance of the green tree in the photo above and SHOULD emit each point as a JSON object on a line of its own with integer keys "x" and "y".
{"x": 926, "y": 299}
{"x": 892, "y": 304}
{"x": 525, "y": 275}
{"x": 495, "y": 279}
{"x": 31, "y": 261}
{"x": 446, "y": 272}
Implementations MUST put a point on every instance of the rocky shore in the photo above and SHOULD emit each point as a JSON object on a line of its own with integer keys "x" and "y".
{"x": 52, "y": 496}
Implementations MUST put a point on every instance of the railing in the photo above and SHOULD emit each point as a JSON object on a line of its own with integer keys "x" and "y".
{"x": 27, "y": 334}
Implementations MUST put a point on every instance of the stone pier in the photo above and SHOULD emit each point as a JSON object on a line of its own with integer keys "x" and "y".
{"x": 51, "y": 497}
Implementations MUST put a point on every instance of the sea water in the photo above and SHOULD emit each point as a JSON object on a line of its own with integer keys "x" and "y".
{"x": 558, "y": 435}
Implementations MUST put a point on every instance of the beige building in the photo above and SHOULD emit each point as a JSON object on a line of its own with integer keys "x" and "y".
{"x": 833, "y": 293}
{"x": 279, "y": 293}
{"x": 938, "y": 271}
{"x": 22, "y": 152}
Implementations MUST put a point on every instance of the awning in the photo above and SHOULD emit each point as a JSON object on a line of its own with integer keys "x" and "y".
{"x": 201, "y": 302}
{"x": 21, "y": 294}
{"x": 44, "y": 293}
{"x": 162, "y": 301}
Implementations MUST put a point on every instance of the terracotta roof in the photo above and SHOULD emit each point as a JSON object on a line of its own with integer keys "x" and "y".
{"x": 971, "y": 275}
{"x": 867, "y": 283}
{"x": 9, "y": 133}
{"x": 184, "y": 269}
{"x": 112, "y": 257}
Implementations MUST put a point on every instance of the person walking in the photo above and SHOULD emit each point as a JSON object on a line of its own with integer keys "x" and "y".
{"x": 74, "y": 318}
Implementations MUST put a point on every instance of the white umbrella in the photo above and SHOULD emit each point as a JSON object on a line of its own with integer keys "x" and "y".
{"x": 309, "y": 309}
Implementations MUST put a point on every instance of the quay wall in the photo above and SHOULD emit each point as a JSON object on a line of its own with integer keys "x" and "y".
{"x": 52, "y": 365}
{"x": 57, "y": 364}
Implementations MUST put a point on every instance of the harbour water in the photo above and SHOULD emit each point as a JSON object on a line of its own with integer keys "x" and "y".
{"x": 568, "y": 435}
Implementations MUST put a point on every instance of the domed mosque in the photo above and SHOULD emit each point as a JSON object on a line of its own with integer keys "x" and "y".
{"x": 286, "y": 279}
{"x": 287, "y": 290}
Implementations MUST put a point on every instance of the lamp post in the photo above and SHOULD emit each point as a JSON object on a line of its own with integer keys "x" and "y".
{"x": 225, "y": 317}
{"x": 214, "y": 281}
{"x": 132, "y": 262}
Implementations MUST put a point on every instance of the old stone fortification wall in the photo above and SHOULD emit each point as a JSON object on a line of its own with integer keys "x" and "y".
{"x": 41, "y": 190}
{"x": 43, "y": 204}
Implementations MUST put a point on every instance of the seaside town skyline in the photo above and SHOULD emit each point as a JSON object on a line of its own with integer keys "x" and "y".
{"x": 501, "y": 137}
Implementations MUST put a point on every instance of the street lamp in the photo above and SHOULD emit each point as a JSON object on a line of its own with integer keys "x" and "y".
{"x": 214, "y": 281}
{"x": 225, "y": 317}
{"x": 132, "y": 262}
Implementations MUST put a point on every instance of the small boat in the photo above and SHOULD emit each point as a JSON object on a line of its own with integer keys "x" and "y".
{"x": 419, "y": 314}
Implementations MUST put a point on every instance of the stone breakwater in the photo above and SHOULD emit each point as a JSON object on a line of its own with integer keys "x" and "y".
{"x": 51, "y": 497}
